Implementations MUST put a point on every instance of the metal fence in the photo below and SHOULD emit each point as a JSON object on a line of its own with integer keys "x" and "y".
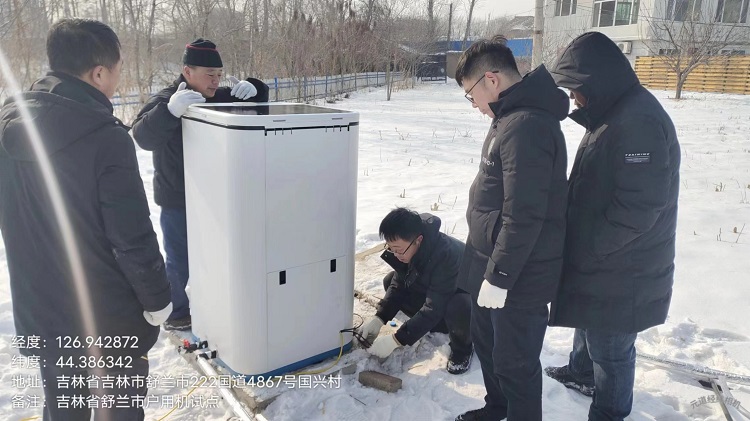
{"x": 283, "y": 89}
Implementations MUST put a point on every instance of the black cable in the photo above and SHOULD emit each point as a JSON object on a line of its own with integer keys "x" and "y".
{"x": 355, "y": 332}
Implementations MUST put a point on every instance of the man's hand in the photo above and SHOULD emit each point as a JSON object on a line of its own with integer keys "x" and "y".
{"x": 371, "y": 329}
{"x": 155, "y": 318}
{"x": 182, "y": 99}
{"x": 242, "y": 89}
{"x": 383, "y": 346}
{"x": 491, "y": 296}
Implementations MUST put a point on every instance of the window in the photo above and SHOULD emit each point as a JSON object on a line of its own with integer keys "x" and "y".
{"x": 684, "y": 10}
{"x": 565, "y": 7}
{"x": 732, "y": 11}
{"x": 615, "y": 12}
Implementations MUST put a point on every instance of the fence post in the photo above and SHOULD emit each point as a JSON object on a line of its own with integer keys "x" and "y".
{"x": 326, "y": 86}
{"x": 276, "y": 87}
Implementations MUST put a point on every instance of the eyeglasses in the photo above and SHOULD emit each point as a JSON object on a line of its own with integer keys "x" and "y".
{"x": 388, "y": 249}
{"x": 468, "y": 94}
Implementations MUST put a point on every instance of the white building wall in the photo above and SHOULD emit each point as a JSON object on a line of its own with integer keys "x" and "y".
{"x": 560, "y": 30}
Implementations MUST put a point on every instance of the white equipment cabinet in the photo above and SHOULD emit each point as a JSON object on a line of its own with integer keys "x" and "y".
{"x": 271, "y": 203}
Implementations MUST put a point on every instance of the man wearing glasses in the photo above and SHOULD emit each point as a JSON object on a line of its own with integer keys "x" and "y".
{"x": 422, "y": 285}
{"x": 516, "y": 215}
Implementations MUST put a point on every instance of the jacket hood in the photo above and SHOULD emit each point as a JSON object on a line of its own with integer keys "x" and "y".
{"x": 593, "y": 65}
{"x": 536, "y": 90}
{"x": 430, "y": 231}
{"x": 63, "y": 109}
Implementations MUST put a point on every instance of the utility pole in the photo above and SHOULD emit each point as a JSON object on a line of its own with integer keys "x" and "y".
{"x": 450, "y": 23}
{"x": 538, "y": 39}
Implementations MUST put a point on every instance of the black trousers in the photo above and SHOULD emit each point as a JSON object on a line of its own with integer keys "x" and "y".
{"x": 71, "y": 394}
{"x": 508, "y": 342}
{"x": 456, "y": 322}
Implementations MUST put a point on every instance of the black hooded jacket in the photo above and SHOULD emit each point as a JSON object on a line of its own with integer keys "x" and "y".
{"x": 432, "y": 272}
{"x": 622, "y": 196}
{"x": 94, "y": 162}
{"x": 156, "y": 129}
{"x": 516, "y": 210}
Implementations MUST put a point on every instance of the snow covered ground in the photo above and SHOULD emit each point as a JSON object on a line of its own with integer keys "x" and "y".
{"x": 421, "y": 150}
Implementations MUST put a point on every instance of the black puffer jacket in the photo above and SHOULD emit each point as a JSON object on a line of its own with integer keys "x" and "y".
{"x": 432, "y": 272}
{"x": 516, "y": 208}
{"x": 94, "y": 162}
{"x": 622, "y": 200}
{"x": 156, "y": 129}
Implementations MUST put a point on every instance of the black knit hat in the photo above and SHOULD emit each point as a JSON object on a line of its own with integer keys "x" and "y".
{"x": 202, "y": 52}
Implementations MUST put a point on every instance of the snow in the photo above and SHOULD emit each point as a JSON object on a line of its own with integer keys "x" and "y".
{"x": 421, "y": 150}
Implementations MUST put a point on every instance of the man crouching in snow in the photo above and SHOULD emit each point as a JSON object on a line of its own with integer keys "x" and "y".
{"x": 422, "y": 285}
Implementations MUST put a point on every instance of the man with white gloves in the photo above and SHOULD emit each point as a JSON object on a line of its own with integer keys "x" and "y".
{"x": 158, "y": 128}
{"x": 422, "y": 285}
{"x": 516, "y": 216}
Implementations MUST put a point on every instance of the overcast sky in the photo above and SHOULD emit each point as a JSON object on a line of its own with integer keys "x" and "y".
{"x": 499, "y": 7}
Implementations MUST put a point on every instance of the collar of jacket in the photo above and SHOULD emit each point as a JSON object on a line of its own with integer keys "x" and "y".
{"x": 71, "y": 87}
{"x": 537, "y": 90}
{"x": 504, "y": 103}
{"x": 591, "y": 117}
{"x": 179, "y": 80}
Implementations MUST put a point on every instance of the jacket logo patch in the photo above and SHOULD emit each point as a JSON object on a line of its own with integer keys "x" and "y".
{"x": 488, "y": 162}
{"x": 638, "y": 158}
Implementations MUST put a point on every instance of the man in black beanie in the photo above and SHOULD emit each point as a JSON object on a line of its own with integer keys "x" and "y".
{"x": 158, "y": 128}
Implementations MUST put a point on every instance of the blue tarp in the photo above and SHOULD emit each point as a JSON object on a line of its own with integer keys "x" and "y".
{"x": 521, "y": 47}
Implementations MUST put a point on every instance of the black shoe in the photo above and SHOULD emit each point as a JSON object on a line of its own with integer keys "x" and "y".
{"x": 184, "y": 323}
{"x": 562, "y": 375}
{"x": 459, "y": 362}
{"x": 481, "y": 414}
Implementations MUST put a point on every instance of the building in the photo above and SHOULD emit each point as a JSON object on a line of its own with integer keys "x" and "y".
{"x": 633, "y": 24}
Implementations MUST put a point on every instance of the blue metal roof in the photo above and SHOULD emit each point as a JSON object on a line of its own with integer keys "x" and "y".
{"x": 521, "y": 47}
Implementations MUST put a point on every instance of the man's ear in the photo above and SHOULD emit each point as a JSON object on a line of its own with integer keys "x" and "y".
{"x": 494, "y": 78}
{"x": 94, "y": 76}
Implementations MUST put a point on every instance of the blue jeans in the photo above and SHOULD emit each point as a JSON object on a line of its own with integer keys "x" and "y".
{"x": 174, "y": 227}
{"x": 606, "y": 360}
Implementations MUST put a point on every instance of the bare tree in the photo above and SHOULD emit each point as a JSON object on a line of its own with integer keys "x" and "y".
{"x": 687, "y": 36}
{"x": 261, "y": 38}
{"x": 431, "y": 19}
{"x": 467, "y": 33}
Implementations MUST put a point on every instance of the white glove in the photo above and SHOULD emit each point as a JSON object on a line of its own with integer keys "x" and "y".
{"x": 383, "y": 346}
{"x": 187, "y": 291}
{"x": 242, "y": 89}
{"x": 371, "y": 329}
{"x": 155, "y": 318}
{"x": 491, "y": 296}
{"x": 182, "y": 99}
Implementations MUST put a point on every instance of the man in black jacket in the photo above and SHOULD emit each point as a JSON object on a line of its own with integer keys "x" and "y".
{"x": 87, "y": 278}
{"x": 622, "y": 216}
{"x": 158, "y": 128}
{"x": 516, "y": 217}
{"x": 422, "y": 285}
